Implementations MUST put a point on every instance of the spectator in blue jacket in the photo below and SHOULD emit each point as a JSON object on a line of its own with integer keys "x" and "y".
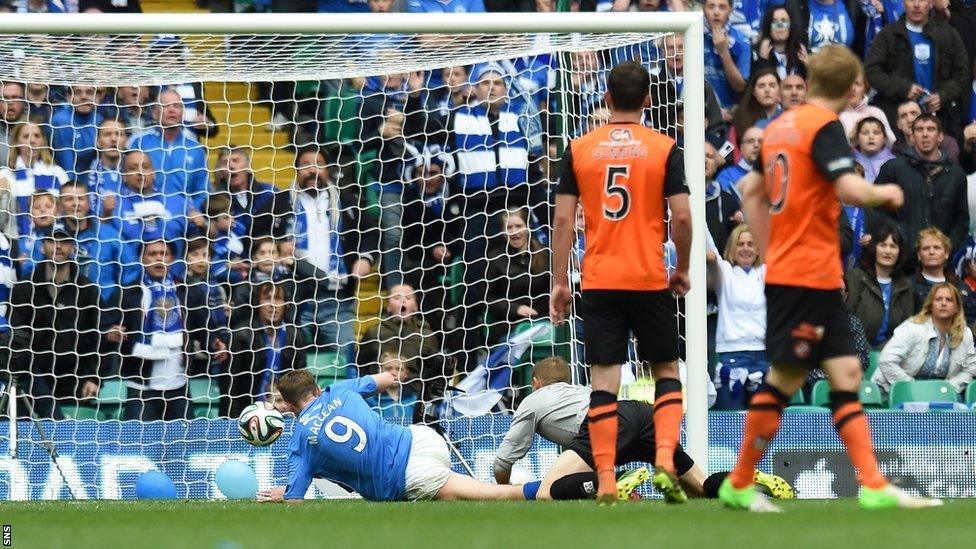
{"x": 35, "y": 227}
{"x": 99, "y": 246}
{"x": 749, "y": 146}
{"x": 491, "y": 151}
{"x": 263, "y": 209}
{"x": 728, "y": 54}
{"x": 398, "y": 400}
{"x": 146, "y": 213}
{"x": 32, "y": 169}
{"x": 181, "y": 161}
{"x": 227, "y": 237}
{"x": 342, "y": 6}
{"x": 104, "y": 175}
{"x": 445, "y": 6}
{"x": 73, "y": 130}
{"x": 41, "y": 6}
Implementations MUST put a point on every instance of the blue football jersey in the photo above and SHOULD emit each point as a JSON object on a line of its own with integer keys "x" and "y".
{"x": 339, "y": 437}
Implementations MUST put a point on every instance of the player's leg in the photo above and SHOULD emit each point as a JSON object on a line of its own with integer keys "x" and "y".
{"x": 652, "y": 317}
{"x": 568, "y": 465}
{"x": 844, "y": 374}
{"x": 605, "y": 340}
{"x": 762, "y": 422}
{"x": 798, "y": 320}
{"x": 461, "y": 487}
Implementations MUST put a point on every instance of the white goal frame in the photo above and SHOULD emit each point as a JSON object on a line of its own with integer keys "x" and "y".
{"x": 690, "y": 24}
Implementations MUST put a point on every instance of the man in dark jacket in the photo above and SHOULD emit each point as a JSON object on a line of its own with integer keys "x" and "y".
{"x": 962, "y": 17}
{"x": 934, "y": 187}
{"x": 54, "y": 316}
{"x": 920, "y": 59}
{"x": 263, "y": 209}
{"x": 149, "y": 325}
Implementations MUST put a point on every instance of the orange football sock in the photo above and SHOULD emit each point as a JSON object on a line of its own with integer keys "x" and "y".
{"x": 668, "y": 409}
{"x": 852, "y": 426}
{"x": 762, "y": 422}
{"x": 602, "y": 419}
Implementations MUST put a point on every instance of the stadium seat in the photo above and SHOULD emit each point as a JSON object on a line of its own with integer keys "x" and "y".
{"x": 873, "y": 358}
{"x": 820, "y": 395}
{"x": 798, "y": 399}
{"x": 803, "y": 409}
{"x": 80, "y": 412}
{"x": 111, "y": 397}
{"x": 340, "y": 112}
{"x": 871, "y": 396}
{"x": 326, "y": 368}
{"x": 929, "y": 390}
{"x": 971, "y": 394}
{"x": 454, "y": 281}
{"x": 205, "y": 397}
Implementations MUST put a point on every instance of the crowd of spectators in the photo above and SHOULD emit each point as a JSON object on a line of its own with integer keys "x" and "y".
{"x": 124, "y": 253}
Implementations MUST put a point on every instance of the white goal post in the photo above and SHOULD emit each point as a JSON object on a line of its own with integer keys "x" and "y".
{"x": 688, "y": 24}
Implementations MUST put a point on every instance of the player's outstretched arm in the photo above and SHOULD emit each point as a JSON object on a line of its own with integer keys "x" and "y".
{"x": 755, "y": 206}
{"x": 854, "y": 189}
{"x": 275, "y": 495}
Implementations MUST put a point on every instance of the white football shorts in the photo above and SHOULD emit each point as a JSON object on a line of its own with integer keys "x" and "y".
{"x": 429, "y": 464}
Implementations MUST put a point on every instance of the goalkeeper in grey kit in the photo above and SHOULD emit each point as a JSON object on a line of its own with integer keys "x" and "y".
{"x": 556, "y": 410}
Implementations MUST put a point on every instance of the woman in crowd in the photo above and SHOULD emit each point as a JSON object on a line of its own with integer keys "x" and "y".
{"x": 260, "y": 352}
{"x": 877, "y": 291}
{"x": 759, "y": 104}
{"x": 933, "y": 259}
{"x": 780, "y": 44}
{"x": 934, "y": 344}
{"x": 858, "y": 109}
{"x": 737, "y": 277}
{"x": 31, "y": 161}
{"x": 518, "y": 277}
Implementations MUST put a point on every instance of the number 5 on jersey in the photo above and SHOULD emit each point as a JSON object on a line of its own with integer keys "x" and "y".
{"x": 616, "y": 204}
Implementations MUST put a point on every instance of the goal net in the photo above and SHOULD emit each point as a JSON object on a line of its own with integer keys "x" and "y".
{"x": 186, "y": 216}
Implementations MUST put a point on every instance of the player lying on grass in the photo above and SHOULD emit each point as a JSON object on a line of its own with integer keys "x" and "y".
{"x": 337, "y": 436}
{"x": 557, "y": 411}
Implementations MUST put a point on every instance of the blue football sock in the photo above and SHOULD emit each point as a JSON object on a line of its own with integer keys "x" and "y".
{"x": 530, "y": 489}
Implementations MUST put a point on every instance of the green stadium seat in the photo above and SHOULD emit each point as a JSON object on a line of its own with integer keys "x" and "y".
{"x": 80, "y": 412}
{"x": 326, "y": 367}
{"x": 111, "y": 396}
{"x": 870, "y": 395}
{"x": 820, "y": 395}
{"x": 873, "y": 358}
{"x": 340, "y": 112}
{"x": 803, "y": 409}
{"x": 205, "y": 397}
{"x": 454, "y": 281}
{"x": 971, "y": 394}
{"x": 798, "y": 399}
{"x": 928, "y": 390}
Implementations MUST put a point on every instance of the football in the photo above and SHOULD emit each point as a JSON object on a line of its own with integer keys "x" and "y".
{"x": 260, "y": 424}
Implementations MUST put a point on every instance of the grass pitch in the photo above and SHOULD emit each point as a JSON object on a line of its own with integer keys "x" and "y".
{"x": 341, "y": 524}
